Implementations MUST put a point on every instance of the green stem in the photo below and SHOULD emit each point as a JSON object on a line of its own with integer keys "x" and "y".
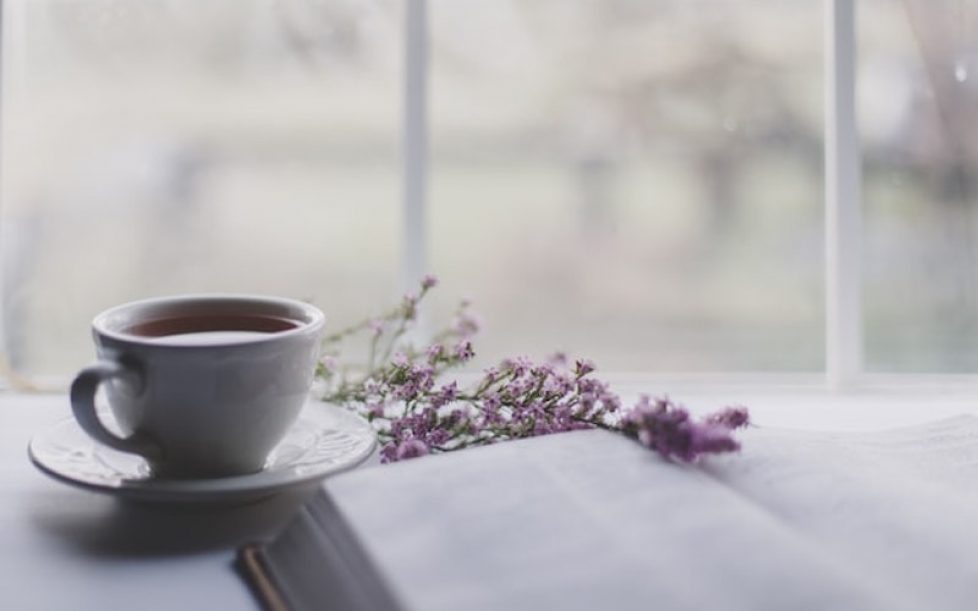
{"x": 373, "y": 352}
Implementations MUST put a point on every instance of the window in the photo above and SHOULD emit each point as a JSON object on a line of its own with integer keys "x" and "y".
{"x": 918, "y": 109}
{"x": 642, "y": 182}
{"x": 156, "y": 147}
{"x": 635, "y": 181}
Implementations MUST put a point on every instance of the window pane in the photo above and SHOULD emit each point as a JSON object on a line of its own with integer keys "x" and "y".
{"x": 918, "y": 114}
{"x": 635, "y": 181}
{"x": 178, "y": 146}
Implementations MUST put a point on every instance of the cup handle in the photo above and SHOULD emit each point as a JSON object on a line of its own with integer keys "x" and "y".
{"x": 83, "y": 391}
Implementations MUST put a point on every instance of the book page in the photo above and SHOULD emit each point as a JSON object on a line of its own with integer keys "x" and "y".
{"x": 590, "y": 520}
{"x": 900, "y": 506}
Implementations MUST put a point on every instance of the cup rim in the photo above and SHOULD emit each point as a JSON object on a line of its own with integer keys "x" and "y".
{"x": 314, "y": 318}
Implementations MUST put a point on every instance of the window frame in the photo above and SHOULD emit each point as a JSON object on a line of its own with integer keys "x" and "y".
{"x": 843, "y": 200}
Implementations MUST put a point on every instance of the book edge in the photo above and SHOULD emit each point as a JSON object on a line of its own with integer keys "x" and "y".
{"x": 250, "y": 562}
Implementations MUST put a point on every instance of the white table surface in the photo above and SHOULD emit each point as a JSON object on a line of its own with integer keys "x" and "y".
{"x": 64, "y": 548}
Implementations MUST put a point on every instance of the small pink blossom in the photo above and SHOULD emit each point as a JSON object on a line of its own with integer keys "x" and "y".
{"x": 668, "y": 429}
{"x": 466, "y": 324}
{"x": 464, "y": 351}
{"x": 375, "y": 410}
{"x": 582, "y": 367}
{"x": 558, "y": 359}
{"x": 730, "y": 417}
{"x": 329, "y": 363}
{"x": 435, "y": 352}
{"x": 409, "y": 448}
{"x": 376, "y": 325}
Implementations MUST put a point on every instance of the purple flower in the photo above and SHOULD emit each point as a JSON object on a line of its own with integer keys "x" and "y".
{"x": 519, "y": 398}
{"x": 388, "y": 453}
{"x": 710, "y": 439}
{"x": 445, "y": 395}
{"x": 542, "y": 371}
{"x": 518, "y": 366}
{"x": 491, "y": 403}
{"x": 582, "y": 367}
{"x": 464, "y": 351}
{"x": 557, "y": 359}
{"x": 730, "y": 417}
{"x": 435, "y": 352}
{"x": 411, "y": 381}
{"x": 411, "y": 448}
{"x": 668, "y": 429}
{"x": 376, "y": 326}
{"x": 610, "y": 402}
{"x": 329, "y": 364}
{"x": 375, "y": 410}
{"x": 372, "y": 387}
{"x": 466, "y": 324}
{"x": 490, "y": 375}
{"x": 430, "y": 281}
{"x": 558, "y": 384}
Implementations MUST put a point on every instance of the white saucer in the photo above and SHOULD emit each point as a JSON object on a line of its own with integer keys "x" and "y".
{"x": 325, "y": 440}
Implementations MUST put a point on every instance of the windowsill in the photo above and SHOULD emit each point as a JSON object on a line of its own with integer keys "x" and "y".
{"x": 876, "y": 403}
{"x": 790, "y": 401}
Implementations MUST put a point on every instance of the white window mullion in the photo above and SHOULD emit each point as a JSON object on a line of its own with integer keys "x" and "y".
{"x": 415, "y": 142}
{"x": 843, "y": 213}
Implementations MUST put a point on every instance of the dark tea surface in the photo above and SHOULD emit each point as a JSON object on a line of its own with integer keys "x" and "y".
{"x": 216, "y": 329}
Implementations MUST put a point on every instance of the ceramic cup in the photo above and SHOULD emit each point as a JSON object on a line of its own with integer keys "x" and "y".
{"x": 200, "y": 385}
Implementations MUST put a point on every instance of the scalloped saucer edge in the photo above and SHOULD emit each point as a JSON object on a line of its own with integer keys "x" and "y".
{"x": 324, "y": 440}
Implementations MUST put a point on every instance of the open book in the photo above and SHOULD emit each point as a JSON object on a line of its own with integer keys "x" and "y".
{"x": 589, "y": 520}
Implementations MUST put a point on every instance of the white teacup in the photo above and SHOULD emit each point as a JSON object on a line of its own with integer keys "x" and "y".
{"x": 200, "y": 385}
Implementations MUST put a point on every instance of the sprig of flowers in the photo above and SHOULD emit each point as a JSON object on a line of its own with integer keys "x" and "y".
{"x": 401, "y": 392}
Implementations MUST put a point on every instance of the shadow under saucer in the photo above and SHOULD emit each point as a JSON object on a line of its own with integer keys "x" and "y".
{"x": 98, "y": 525}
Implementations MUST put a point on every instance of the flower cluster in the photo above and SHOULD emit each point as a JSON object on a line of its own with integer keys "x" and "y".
{"x": 669, "y": 430}
{"x": 415, "y": 414}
